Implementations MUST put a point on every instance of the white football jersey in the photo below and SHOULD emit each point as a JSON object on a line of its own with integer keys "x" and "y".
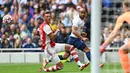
{"x": 78, "y": 22}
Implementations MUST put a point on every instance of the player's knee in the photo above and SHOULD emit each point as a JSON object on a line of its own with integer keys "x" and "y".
{"x": 69, "y": 48}
{"x": 86, "y": 49}
{"x": 60, "y": 65}
{"x": 66, "y": 56}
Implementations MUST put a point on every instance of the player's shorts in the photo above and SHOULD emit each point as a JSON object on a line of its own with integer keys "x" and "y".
{"x": 77, "y": 43}
{"x": 50, "y": 52}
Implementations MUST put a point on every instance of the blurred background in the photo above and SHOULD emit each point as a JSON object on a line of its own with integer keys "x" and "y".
{"x": 28, "y": 15}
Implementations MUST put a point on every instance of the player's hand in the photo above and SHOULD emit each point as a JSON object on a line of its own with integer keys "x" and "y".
{"x": 85, "y": 39}
{"x": 102, "y": 49}
{"x": 40, "y": 70}
{"x": 84, "y": 34}
{"x": 58, "y": 30}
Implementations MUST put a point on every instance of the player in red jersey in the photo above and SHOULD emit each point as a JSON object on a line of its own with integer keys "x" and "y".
{"x": 51, "y": 48}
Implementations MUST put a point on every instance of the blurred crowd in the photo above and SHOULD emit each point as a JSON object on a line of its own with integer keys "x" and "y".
{"x": 119, "y": 40}
{"x": 111, "y": 9}
{"x": 28, "y": 15}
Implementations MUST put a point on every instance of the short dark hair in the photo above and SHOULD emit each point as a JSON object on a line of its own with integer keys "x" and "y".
{"x": 47, "y": 12}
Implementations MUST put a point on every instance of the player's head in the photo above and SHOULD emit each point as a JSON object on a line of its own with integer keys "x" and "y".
{"x": 47, "y": 16}
{"x": 82, "y": 13}
{"x": 126, "y": 5}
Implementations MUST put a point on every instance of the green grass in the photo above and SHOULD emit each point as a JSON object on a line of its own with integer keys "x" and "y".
{"x": 68, "y": 68}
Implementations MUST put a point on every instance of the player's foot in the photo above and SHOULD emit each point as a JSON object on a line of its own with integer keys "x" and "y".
{"x": 102, "y": 65}
{"x": 40, "y": 70}
{"x": 45, "y": 62}
{"x": 83, "y": 66}
{"x": 43, "y": 65}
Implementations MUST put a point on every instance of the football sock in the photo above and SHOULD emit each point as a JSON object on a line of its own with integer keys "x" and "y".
{"x": 52, "y": 68}
{"x": 75, "y": 56}
{"x": 88, "y": 54}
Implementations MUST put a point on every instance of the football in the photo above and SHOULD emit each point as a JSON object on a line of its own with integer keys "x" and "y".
{"x": 7, "y": 19}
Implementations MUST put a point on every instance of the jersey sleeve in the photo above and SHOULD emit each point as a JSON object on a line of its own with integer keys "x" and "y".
{"x": 47, "y": 29}
{"x": 75, "y": 22}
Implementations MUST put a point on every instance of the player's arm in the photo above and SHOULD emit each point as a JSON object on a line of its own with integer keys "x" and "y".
{"x": 53, "y": 35}
{"x": 75, "y": 28}
{"x": 84, "y": 34}
{"x": 114, "y": 33}
{"x": 116, "y": 30}
{"x": 75, "y": 32}
{"x": 49, "y": 32}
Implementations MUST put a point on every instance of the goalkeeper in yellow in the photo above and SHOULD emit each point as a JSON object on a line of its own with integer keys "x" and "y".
{"x": 125, "y": 49}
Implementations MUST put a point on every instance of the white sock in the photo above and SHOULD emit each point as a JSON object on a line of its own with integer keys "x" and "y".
{"x": 79, "y": 63}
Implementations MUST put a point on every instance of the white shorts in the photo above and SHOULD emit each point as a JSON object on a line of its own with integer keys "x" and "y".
{"x": 50, "y": 53}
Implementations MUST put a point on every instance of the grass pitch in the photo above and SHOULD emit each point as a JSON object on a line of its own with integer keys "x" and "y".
{"x": 69, "y": 67}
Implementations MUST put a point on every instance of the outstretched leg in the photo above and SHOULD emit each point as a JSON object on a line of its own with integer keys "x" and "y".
{"x": 56, "y": 67}
{"x": 74, "y": 54}
{"x": 87, "y": 51}
{"x": 124, "y": 59}
{"x": 45, "y": 62}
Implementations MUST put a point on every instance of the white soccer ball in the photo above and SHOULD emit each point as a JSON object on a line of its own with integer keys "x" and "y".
{"x": 7, "y": 19}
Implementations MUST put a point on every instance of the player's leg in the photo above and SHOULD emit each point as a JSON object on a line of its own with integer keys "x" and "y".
{"x": 71, "y": 50}
{"x": 65, "y": 56}
{"x": 124, "y": 59}
{"x": 51, "y": 55}
{"x": 79, "y": 44}
{"x": 44, "y": 63}
{"x": 87, "y": 51}
{"x": 74, "y": 54}
{"x": 46, "y": 59}
{"x": 88, "y": 54}
{"x": 58, "y": 66}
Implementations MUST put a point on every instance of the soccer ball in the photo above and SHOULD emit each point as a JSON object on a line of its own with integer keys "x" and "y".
{"x": 7, "y": 19}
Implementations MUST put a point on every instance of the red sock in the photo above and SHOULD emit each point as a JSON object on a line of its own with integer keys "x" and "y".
{"x": 52, "y": 68}
{"x": 75, "y": 55}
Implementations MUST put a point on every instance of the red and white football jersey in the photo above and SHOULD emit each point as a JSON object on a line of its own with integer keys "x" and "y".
{"x": 45, "y": 30}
